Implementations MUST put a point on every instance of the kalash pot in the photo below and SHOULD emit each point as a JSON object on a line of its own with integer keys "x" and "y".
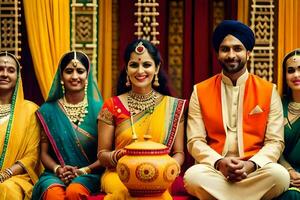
{"x": 146, "y": 169}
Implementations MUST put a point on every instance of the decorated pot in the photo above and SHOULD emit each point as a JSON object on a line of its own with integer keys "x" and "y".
{"x": 147, "y": 169}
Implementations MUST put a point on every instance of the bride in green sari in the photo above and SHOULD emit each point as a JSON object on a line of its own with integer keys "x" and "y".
{"x": 69, "y": 138}
{"x": 291, "y": 107}
{"x": 144, "y": 102}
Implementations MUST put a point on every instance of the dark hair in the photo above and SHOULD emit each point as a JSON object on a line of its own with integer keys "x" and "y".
{"x": 287, "y": 93}
{"x": 66, "y": 59}
{"x": 163, "y": 87}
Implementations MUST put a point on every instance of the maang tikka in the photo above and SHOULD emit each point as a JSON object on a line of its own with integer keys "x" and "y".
{"x": 140, "y": 48}
{"x": 74, "y": 60}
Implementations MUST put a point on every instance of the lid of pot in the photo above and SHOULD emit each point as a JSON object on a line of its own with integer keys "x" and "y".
{"x": 146, "y": 147}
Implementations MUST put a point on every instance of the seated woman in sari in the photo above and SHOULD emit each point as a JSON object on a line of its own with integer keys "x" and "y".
{"x": 142, "y": 102}
{"x": 69, "y": 137}
{"x": 19, "y": 134}
{"x": 291, "y": 107}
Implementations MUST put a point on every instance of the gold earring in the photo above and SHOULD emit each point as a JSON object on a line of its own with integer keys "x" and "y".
{"x": 86, "y": 87}
{"x": 156, "y": 83}
{"x": 62, "y": 87}
{"x": 127, "y": 81}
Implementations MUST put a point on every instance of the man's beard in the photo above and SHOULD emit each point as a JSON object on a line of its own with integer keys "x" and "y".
{"x": 229, "y": 68}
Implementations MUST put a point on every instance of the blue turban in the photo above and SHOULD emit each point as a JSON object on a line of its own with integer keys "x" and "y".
{"x": 235, "y": 28}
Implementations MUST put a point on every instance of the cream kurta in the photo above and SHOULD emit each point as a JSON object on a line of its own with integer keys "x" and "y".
{"x": 232, "y": 113}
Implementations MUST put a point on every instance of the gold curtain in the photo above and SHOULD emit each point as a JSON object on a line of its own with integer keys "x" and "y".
{"x": 288, "y": 32}
{"x": 105, "y": 48}
{"x": 243, "y": 10}
{"x": 48, "y": 28}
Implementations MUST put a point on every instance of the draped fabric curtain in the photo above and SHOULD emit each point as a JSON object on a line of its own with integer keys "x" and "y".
{"x": 105, "y": 48}
{"x": 197, "y": 48}
{"x": 48, "y": 28}
{"x": 288, "y": 32}
{"x": 200, "y": 60}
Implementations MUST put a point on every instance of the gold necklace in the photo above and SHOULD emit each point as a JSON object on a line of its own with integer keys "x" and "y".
{"x": 141, "y": 102}
{"x": 5, "y": 110}
{"x": 294, "y": 108}
{"x": 75, "y": 112}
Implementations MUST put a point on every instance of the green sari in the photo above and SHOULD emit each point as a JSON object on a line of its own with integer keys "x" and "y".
{"x": 291, "y": 151}
{"x": 70, "y": 144}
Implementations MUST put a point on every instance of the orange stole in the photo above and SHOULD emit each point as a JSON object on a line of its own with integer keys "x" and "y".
{"x": 257, "y": 92}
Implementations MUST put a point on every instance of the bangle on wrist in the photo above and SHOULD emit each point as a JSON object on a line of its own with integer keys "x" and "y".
{"x": 55, "y": 168}
{"x": 85, "y": 170}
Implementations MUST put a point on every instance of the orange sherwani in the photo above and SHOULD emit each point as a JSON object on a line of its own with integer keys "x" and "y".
{"x": 253, "y": 121}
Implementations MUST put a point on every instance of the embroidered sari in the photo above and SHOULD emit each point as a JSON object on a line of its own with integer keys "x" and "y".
{"x": 19, "y": 142}
{"x": 292, "y": 150}
{"x": 71, "y": 144}
{"x": 162, "y": 125}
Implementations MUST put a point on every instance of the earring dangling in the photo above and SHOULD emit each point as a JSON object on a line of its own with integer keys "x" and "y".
{"x": 156, "y": 83}
{"x": 62, "y": 87}
{"x": 127, "y": 81}
{"x": 85, "y": 88}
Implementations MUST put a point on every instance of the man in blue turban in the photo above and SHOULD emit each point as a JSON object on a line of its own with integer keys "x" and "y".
{"x": 235, "y": 126}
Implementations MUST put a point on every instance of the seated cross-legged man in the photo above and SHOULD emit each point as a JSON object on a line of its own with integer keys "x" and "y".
{"x": 235, "y": 127}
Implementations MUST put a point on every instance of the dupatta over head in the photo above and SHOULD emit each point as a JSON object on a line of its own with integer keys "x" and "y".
{"x": 22, "y": 137}
{"x": 71, "y": 144}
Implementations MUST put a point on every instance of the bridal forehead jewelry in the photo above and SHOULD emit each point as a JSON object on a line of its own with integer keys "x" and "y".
{"x": 75, "y": 61}
{"x": 297, "y": 54}
{"x": 5, "y": 59}
{"x": 140, "y": 48}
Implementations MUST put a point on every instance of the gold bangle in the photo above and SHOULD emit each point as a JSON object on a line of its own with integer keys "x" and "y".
{"x": 113, "y": 159}
{"x": 85, "y": 170}
{"x": 9, "y": 172}
{"x": 55, "y": 168}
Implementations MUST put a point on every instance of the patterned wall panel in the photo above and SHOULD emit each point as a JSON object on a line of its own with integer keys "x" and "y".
{"x": 218, "y": 12}
{"x": 262, "y": 23}
{"x": 84, "y": 27}
{"x": 10, "y": 23}
{"x": 175, "y": 44}
{"x": 146, "y": 20}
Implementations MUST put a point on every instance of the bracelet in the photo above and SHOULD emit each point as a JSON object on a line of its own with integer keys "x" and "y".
{"x": 55, "y": 168}
{"x": 9, "y": 172}
{"x": 85, "y": 170}
{"x": 113, "y": 158}
{"x": 6, "y": 174}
